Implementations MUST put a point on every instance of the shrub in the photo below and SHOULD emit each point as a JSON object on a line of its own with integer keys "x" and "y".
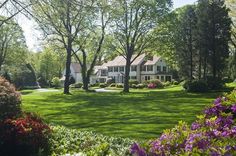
{"x": 213, "y": 133}
{"x": 214, "y": 83}
{"x": 72, "y": 141}
{"x": 140, "y": 86}
{"x": 103, "y": 85}
{"x": 56, "y": 82}
{"x": 196, "y": 86}
{"x": 113, "y": 85}
{"x": 155, "y": 82}
{"x": 175, "y": 82}
{"x": 78, "y": 85}
{"x": 133, "y": 86}
{"x": 119, "y": 85}
{"x": 167, "y": 83}
{"x": 27, "y": 135}
{"x": 10, "y": 100}
{"x": 95, "y": 84}
{"x": 133, "y": 83}
{"x": 152, "y": 86}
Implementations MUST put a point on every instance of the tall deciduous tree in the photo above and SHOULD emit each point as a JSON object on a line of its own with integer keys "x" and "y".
{"x": 62, "y": 20}
{"x": 133, "y": 22}
{"x": 12, "y": 44}
{"x": 91, "y": 40}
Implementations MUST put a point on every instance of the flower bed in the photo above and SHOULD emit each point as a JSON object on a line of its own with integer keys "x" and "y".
{"x": 213, "y": 133}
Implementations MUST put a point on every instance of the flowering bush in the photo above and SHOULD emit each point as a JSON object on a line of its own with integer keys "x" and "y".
{"x": 213, "y": 133}
{"x": 155, "y": 83}
{"x": 152, "y": 85}
{"x": 10, "y": 100}
{"x": 27, "y": 135}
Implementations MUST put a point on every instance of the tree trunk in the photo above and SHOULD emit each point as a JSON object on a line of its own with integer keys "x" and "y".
{"x": 68, "y": 63}
{"x": 85, "y": 78}
{"x": 200, "y": 67}
{"x": 126, "y": 78}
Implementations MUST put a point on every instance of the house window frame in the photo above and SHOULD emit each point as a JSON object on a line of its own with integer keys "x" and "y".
{"x": 116, "y": 69}
{"x": 133, "y": 68}
{"x": 143, "y": 68}
{"x": 110, "y": 69}
{"x": 149, "y": 68}
{"x": 123, "y": 69}
{"x": 164, "y": 69}
{"x": 147, "y": 77}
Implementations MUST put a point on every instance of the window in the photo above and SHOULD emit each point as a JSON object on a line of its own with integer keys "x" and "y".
{"x": 168, "y": 78}
{"x": 147, "y": 78}
{"x": 158, "y": 68}
{"x": 115, "y": 69}
{"x": 103, "y": 73}
{"x": 164, "y": 69}
{"x": 162, "y": 78}
{"x": 158, "y": 77}
{"x": 133, "y": 68}
{"x": 133, "y": 77}
{"x": 110, "y": 69}
{"x": 149, "y": 68}
{"x": 143, "y": 68}
{"x": 121, "y": 69}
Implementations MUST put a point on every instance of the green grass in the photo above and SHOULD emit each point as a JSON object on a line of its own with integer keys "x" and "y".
{"x": 141, "y": 114}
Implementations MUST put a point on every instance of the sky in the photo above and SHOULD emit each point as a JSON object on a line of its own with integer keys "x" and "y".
{"x": 32, "y": 35}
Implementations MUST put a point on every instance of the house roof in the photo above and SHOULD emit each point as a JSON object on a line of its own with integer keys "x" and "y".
{"x": 153, "y": 61}
{"x": 120, "y": 61}
{"x": 76, "y": 67}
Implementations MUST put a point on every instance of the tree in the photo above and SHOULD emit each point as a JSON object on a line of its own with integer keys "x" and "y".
{"x": 12, "y": 8}
{"x": 214, "y": 35}
{"x": 133, "y": 22}
{"x": 185, "y": 44}
{"x": 62, "y": 21}
{"x": 12, "y": 44}
{"x": 91, "y": 40}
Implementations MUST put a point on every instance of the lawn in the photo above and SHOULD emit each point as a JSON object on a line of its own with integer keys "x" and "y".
{"x": 142, "y": 114}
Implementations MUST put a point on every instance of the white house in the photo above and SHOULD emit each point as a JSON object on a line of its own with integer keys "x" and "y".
{"x": 142, "y": 69}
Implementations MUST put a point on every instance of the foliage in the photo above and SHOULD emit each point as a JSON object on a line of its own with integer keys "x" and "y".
{"x": 10, "y": 100}
{"x": 113, "y": 85}
{"x": 78, "y": 85}
{"x": 56, "y": 82}
{"x": 119, "y": 85}
{"x": 140, "y": 86}
{"x": 175, "y": 82}
{"x": 167, "y": 83}
{"x": 133, "y": 82}
{"x": 102, "y": 85}
{"x": 27, "y": 135}
{"x": 156, "y": 83}
{"x": 196, "y": 86}
{"x": 215, "y": 83}
{"x": 213, "y": 133}
{"x": 71, "y": 141}
{"x": 152, "y": 86}
{"x": 25, "y": 77}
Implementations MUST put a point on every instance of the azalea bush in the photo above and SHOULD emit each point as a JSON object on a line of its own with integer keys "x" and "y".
{"x": 155, "y": 83}
{"x": 10, "y": 100}
{"x": 26, "y": 135}
{"x": 213, "y": 133}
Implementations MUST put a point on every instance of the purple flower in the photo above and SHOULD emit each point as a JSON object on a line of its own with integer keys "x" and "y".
{"x": 233, "y": 108}
{"x": 195, "y": 126}
{"x": 136, "y": 150}
{"x": 217, "y": 101}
